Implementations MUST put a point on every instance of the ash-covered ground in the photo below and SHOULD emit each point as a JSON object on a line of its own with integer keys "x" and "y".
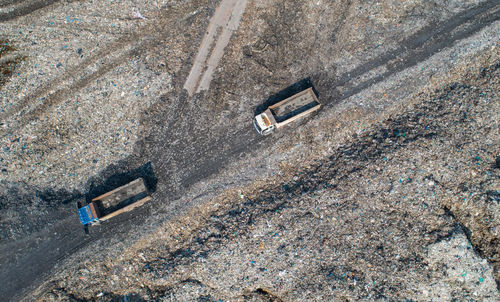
{"x": 389, "y": 193}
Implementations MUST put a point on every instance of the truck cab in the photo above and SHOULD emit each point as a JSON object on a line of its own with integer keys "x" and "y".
{"x": 263, "y": 123}
{"x": 88, "y": 214}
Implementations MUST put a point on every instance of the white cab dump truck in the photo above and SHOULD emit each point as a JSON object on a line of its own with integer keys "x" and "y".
{"x": 115, "y": 202}
{"x": 286, "y": 111}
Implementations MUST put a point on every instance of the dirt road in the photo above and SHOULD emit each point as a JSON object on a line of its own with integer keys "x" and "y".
{"x": 183, "y": 150}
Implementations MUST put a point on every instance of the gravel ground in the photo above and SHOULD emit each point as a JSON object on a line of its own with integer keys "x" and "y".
{"x": 76, "y": 103}
{"x": 405, "y": 211}
{"x": 89, "y": 70}
{"x": 90, "y": 91}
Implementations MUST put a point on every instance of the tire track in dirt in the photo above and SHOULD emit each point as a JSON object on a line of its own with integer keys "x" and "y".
{"x": 417, "y": 48}
{"x": 23, "y": 10}
{"x": 223, "y": 23}
{"x": 138, "y": 42}
{"x": 211, "y": 157}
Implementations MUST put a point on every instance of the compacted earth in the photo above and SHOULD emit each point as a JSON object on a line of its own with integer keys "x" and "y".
{"x": 390, "y": 192}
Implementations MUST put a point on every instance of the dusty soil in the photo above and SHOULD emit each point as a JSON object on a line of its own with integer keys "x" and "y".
{"x": 391, "y": 192}
{"x": 405, "y": 211}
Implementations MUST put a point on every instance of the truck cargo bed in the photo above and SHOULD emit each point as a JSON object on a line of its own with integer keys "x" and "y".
{"x": 121, "y": 197}
{"x": 294, "y": 105}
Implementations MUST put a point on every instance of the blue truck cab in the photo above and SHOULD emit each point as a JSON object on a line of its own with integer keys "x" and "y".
{"x": 88, "y": 214}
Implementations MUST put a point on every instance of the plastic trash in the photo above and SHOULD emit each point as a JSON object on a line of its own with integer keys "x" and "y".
{"x": 137, "y": 15}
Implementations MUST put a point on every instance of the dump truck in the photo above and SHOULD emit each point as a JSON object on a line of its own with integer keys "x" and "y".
{"x": 286, "y": 111}
{"x": 113, "y": 203}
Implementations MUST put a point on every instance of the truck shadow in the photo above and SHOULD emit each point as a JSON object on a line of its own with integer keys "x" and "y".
{"x": 286, "y": 93}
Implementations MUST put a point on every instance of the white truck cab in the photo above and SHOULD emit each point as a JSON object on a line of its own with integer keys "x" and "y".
{"x": 264, "y": 123}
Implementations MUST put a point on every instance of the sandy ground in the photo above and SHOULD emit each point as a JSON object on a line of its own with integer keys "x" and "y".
{"x": 92, "y": 96}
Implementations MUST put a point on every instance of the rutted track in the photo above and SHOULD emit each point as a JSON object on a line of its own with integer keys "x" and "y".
{"x": 22, "y": 8}
{"x": 225, "y": 20}
{"x": 22, "y": 272}
{"x": 110, "y": 56}
{"x": 417, "y": 48}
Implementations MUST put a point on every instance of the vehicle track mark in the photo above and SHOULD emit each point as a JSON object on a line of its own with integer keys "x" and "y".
{"x": 417, "y": 48}
{"x": 220, "y": 29}
{"x": 227, "y": 146}
{"x": 23, "y": 10}
{"x": 54, "y": 93}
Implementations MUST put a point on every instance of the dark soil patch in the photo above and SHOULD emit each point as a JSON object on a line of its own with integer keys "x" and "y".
{"x": 8, "y": 66}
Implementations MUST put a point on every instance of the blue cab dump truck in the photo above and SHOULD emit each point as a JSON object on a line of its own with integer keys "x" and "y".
{"x": 113, "y": 203}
